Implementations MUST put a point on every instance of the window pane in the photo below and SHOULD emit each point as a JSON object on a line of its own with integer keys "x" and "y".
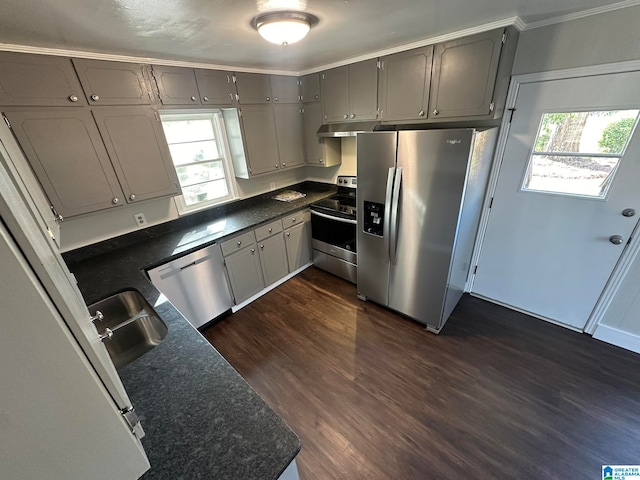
{"x": 187, "y": 130}
{"x": 205, "y": 192}
{"x": 588, "y": 176}
{"x": 605, "y": 132}
{"x": 182, "y": 153}
{"x": 202, "y": 172}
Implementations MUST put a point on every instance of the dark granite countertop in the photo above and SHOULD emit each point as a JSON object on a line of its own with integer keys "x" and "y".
{"x": 202, "y": 420}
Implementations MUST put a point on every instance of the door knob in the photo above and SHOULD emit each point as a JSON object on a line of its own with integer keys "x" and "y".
{"x": 628, "y": 212}
{"x": 616, "y": 239}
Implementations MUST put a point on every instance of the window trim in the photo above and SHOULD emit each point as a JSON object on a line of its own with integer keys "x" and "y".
{"x": 222, "y": 143}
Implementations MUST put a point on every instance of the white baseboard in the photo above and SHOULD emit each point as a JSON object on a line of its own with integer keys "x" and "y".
{"x": 235, "y": 308}
{"x": 619, "y": 338}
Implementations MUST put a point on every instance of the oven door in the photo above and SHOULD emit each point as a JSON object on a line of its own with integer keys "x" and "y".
{"x": 334, "y": 232}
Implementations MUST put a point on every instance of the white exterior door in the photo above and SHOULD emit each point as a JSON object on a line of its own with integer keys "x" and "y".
{"x": 559, "y": 219}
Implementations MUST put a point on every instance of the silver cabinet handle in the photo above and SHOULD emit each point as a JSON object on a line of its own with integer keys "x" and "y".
{"x": 270, "y": 230}
{"x": 95, "y": 98}
{"x": 268, "y": 99}
{"x": 317, "y": 97}
{"x": 262, "y": 247}
{"x": 239, "y": 243}
{"x": 288, "y": 234}
{"x": 231, "y": 95}
{"x": 628, "y": 212}
{"x": 193, "y": 99}
{"x": 277, "y": 166}
{"x": 132, "y": 197}
{"x": 253, "y": 250}
{"x": 353, "y": 115}
{"x": 275, "y": 99}
{"x": 345, "y": 116}
{"x": 107, "y": 335}
{"x": 206, "y": 99}
{"x": 115, "y": 201}
{"x": 421, "y": 113}
{"x": 435, "y": 112}
{"x": 73, "y": 98}
{"x": 616, "y": 239}
{"x": 321, "y": 160}
{"x": 98, "y": 317}
{"x": 284, "y": 164}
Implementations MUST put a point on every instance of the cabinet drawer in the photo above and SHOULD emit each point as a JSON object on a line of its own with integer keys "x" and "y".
{"x": 268, "y": 230}
{"x": 237, "y": 243}
{"x": 296, "y": 218}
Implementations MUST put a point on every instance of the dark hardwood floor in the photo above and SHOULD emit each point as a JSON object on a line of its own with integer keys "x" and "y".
{"x": 373, "y": 395}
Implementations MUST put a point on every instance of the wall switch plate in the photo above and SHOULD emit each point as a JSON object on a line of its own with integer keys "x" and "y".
{"x": 141, "y": 221}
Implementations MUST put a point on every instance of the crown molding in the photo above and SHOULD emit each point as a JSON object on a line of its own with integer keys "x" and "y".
{"x": 582, "y": 14}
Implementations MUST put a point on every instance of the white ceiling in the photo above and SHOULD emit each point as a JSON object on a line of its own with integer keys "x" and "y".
{"x": 219, "y": 32}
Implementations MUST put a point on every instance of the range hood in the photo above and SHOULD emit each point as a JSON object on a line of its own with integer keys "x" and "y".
{"x": 347, "y": 129}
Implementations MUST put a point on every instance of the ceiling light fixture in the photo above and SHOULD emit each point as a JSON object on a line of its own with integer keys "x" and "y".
{"x": 284, "y": 28}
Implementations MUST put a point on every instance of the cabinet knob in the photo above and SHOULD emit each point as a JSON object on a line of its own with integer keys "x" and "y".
{"x": 253, "y": 250}
{"x": 435, "y": 112}
{"x": 239, "y": 243}
{"x": 293, "y": 219}
{"x": 345, "y": 116}
{"x": 268, "y": 99}
{"x": 317, "y": 97}
{"x": 284, "y": 164}
{"x": 277, "y": 166}
{"x": 132, "y": 197}
{"x": 353, "y": 115}
{"x": 231, "y": 96}
{"x": 275, "y": 99}
{"x": 193, "y": 99}
{"x": 115, "y": 200}
{"x": 206, "y": 99}
{"x": 321, "y": 160}
{"x": 288, "y": 234}
{"x": 262, "y": 247}
{"x": 95, "y": 98}
{"x": 270, "y": 230}
{"x": 73, "y": 98}
{"x": 421, "y": 113}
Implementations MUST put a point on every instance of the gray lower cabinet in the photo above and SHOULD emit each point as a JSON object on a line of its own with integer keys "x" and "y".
{"x": 464, "y": 75}
{"x": 320, "y": 152}
{"x": 350, "y": 93}
{"x": 216, "y": 87}
{"x": 66, "y": 152}
{"x": 245, "y": 273}
{"x": 289, "y": 131}
{"x": 176, "y": 85}
{"x": 138, "y": 149}
{"x": 113, "y": 83}
{"x": 261, "y": 142}
{"x": 405, "y": 80}
{"x": 297, "y": 236}
{"x": 273, "y": 258}
{"x": 38, "y": 80}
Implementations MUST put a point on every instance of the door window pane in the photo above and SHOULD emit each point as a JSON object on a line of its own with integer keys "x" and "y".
{"x": 577, "y": 153}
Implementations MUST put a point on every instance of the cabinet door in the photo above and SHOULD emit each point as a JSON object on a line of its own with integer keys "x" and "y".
{"x": 260, "y": 138}
{"x": 290, "y": 135}
{"x": 285, "y": 89}
{"x": 138, "y": 149}
{"x": 253, "y": 88}
{"x": 298, "y": 246}
{"x": 113, "y": 83}
{"x": 335, "y": 95}
{"x": 323, "y": 152}
{"x": 176, "y": 85}
{"x": 405, "y": 79}
{"x": 245, "y": 273}
{"x": 464, "y": 74}
{"x": 67, "y": 155}
{"x": 38, "y": 80}
{"x": 273, "y": 258}
{"x": 216, "y": 87}
{"x": 363, "y": 90}
{"x": 310, "y": 88}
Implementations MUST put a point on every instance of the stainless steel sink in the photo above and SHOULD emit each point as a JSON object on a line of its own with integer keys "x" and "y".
{"x": 136, "y": 326}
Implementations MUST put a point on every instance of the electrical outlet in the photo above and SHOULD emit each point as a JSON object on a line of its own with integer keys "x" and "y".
{"x": 272, "y": 186}
{"x": 141, "y": 221}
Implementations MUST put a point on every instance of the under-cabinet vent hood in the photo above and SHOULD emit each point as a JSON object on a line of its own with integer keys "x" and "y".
{"x": 347, "y": 129}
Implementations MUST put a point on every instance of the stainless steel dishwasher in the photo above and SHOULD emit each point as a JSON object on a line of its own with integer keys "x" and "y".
{"x": 195, "y": 284}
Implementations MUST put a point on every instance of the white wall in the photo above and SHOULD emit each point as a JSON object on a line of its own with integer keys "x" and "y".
{"x": 599, "y": 39}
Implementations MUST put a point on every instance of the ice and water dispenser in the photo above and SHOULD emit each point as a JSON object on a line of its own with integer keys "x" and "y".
{"x": 373, "y": 218}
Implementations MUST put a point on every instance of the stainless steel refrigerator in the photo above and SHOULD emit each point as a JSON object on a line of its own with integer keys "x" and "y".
{"x": 420, "y": 195}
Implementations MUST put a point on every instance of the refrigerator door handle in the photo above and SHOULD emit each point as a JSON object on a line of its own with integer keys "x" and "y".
{"x": 393, "y": 240}
{"x": 387, "y": 208}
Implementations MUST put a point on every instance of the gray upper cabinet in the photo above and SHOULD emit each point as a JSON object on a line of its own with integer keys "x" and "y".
{"x": 260, "y": 138}
{"x": 138, "y": 149}
{"x": 285, "y": 89}
{"x": 65, "y": 150}
{"x": 38, "y": 80}
{"x": 288, "y": 118}
{"x": 322, "y": 152}
{"x": 405, "y": 80}
{"x": 216, "y": 87}
{"x": 176, "y": 85}
{"x": 310, "y": 88}
{"x": 464, "y": 76}
{"x": 350, "y": 93}
{"x": 253, "y": 88}
{"x": 113, "y": 83}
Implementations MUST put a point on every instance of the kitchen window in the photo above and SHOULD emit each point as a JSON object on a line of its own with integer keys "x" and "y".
{"x": 199, "y": 150}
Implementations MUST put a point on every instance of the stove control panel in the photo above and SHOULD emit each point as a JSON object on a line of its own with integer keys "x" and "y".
{"x": 349, "y": 182}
